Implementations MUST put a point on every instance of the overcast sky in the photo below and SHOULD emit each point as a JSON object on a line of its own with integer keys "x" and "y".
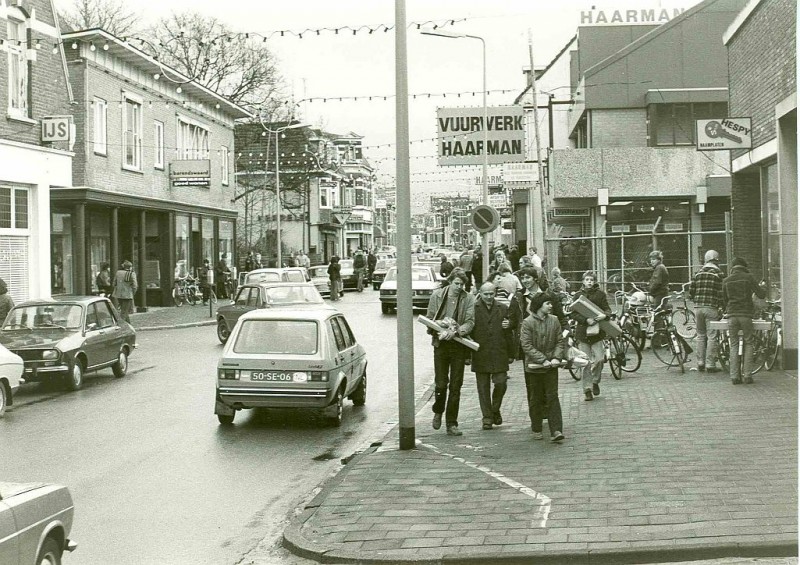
{"x": 347, "y": 65}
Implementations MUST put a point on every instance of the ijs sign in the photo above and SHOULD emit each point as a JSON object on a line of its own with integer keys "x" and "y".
{"x": 460, "y": 135}
{"x": 56, "y": 128}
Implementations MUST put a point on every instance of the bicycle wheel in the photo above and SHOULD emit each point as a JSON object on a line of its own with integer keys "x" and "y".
{"x": 178, "y": 297}
{"x": 662, "y": 347}
{"x": 724, "y": 353}
{"x": 774, "y": 345}
{"x": 759, "y": 351}
{"x": 613, "y": 360}
{"x": 685, "y": 323}
{"x": 682, "y": 354}
{"x": 627, "y": 355}
{"x": 191, "y": 296}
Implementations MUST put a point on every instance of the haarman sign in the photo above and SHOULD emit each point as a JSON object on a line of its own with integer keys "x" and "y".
{"x": 626, "y": 17}
{"x": 460, "y": 135}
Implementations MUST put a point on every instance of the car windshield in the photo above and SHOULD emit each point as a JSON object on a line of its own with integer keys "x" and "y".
{"x": 384, "y": 264}
{"x": 416, "y": 275}
{"x": 293, "y": 295}
{"x": 295, "y": 276}
{"x": 67, "y": 316}
{"x": 268, "y": 276}
{"x": 293, "y": 337}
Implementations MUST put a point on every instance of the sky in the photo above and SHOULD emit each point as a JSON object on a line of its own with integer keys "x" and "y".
{"x": 345, "y": 65}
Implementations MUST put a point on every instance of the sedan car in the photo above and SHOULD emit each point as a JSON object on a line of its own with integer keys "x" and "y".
{"x": 35, "y": 523}
{"x": 274, "y": 274}
{"x": 423, "y": 282}
{"x": 349, "y": 279}
{"x": 291, "y": 358}
{"x": 320, "y": 279}
{"x": 253, "y": 296}
{"x": 11, "y": 369}
{"x": 67, "y": 337}
{"x": 381, "y": 268}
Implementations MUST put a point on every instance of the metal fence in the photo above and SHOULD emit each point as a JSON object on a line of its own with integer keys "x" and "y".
{"x": 620, "y": 259}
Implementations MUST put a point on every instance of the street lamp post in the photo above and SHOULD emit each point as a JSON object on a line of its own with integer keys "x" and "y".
{"x": 278, "y": 133}
{"x": 484, "y": 128}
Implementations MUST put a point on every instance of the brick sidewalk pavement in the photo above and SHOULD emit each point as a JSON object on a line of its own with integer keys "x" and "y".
{"x": 163, "y": 317}
{"x": 660, "y": 466}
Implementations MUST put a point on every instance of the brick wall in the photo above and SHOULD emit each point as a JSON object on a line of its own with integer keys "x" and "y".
{"x": 46, "y": 79}
{"x": 762, "y": 63}
{"x": 624, "y": 127}
{"x": 106, "y": 171}
{"x": 746, "y": 219}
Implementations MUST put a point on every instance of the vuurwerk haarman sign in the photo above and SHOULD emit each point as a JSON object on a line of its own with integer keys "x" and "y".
{"x": 460, "y": 135}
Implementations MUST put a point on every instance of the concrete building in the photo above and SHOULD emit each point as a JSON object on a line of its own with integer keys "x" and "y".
{"x": 762, "y": 55}
{"x": 152, "y": 180}
{"x": 35, "y": 142}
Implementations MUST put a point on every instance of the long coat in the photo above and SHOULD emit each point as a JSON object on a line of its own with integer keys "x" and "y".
{"x": 497, "y": 344}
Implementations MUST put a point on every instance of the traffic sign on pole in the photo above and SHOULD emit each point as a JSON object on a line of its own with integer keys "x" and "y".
{"x": 485, "y": 218}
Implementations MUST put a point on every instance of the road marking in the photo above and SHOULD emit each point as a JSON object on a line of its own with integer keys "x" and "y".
{"x": 543, "y": 512}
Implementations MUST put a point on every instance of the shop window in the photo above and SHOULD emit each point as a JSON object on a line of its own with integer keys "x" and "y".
{"x": 13, "y": 207}
{"x": 132, "y": 134}
{"x": 208, "y": 239}
{"x": 226, "y": 242}
{"x": 674, "y": 124}
{"x": 61, "y": 260}
{"x": 182, "y": 238}
{"x": 100, "y": 113}
{"x": 16, "y": 47}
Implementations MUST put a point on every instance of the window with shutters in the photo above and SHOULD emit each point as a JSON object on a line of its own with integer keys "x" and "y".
{"x": 14, "y": 266}
{"x": 16, "y": 47}
{"x": 13, "y": 209}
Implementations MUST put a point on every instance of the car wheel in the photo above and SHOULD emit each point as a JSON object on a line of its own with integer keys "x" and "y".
{"x": 385, "y": 308}
{"x": 223, "y": 333}
{"x": 50, "y": 554}
{"x": 226, "y": 420}
{"x": 120, "y": 368}
{"x": 74, "y": 379}
{"x": 359, "y": 396}
{"x": 4, "y": 398}
{"x": 334, "y": 411}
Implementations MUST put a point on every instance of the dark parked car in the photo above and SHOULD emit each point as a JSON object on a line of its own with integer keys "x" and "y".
{"x": 381, "y": 268}
{"x": 67, "y": 337}
{"x": 253, "y": 296}
{"x": 35, "y": 523}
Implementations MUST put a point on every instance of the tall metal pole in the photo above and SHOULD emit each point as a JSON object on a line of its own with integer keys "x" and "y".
{"x": 485, "y": 166}
{"x": 540, "y": 167}
{"x": 278, "y": 195}
{"x": 405, "y": 315}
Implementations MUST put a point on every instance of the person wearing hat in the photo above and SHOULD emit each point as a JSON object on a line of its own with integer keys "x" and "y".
{"x": 124, "y": 288}
{"x": 202, "y": 274}
{"x": 543, "y": 345}
{"x": 705, "y": 291}
{"x": 738, "y": 289}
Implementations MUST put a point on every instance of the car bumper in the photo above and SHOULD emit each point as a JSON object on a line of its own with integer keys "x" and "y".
{"x": 416, "y": 301}
{"x": 34, "y": 374}
{"x": 273, "y": 397}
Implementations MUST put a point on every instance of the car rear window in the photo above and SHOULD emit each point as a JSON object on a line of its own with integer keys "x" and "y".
{"x": 263, "y": 277}
{"x": 416, "y": 274}
{"x": 293, "y": 295}
{"x": 295, "y": 276}
{"x": 292, "y": 337}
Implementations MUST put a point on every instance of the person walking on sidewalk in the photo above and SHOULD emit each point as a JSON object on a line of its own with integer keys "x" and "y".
{"x": 202, "y": 275}
{"x": 335, "y": 276}
{"x": 453, "y": 309}
{"x": 589, "y": 335}
{"x": 124, "y": 288}
{"x": 465, "y": 261}
{"x": 543, "y": 345}
{"x": 738, "y": 289}
{"x": 6, "y": 302}
{"x": 705, "y": 291}
{"x": 490, "y": 363}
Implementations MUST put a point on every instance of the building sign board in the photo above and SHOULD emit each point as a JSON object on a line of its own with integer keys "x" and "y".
{"x": 56, "y": 128}
{"x": 645, "y": 227}
{"x": 190, "y": 172}
{"x": 520, "y": 173}
{"x": 498, "y": 200}
{"x": 460, "y": 135}
{"x": 648, "y": 16}
{"x": 621, "y": 229}
{"x": 721, "y": 134}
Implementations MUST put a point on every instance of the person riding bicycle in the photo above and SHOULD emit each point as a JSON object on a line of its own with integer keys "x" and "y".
{"x": 202, "y": 275}
{"x": 359, "y": 264}
{"x": 705, "y": 291}
{"x": 659, "y": 280}
{"x": 738, "y": 289}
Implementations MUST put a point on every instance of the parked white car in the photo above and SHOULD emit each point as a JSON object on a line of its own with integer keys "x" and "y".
{"x": 11, "y": 368}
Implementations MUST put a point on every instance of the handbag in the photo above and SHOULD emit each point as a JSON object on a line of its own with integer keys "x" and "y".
{"x": 593, "y": 330}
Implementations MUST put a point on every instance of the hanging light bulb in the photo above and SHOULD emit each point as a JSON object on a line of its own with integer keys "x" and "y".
{"x": 156, "y": 76}
{"x": 105, "y": 46}
{"x": 179, "y": 90}
{"x": 74, "y": 45}
{"x": 92, "y": 47}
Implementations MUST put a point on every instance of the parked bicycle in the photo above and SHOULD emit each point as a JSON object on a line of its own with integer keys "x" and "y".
{"x": 186, "y": 289}
{"x": 774, "y": 337}
{"x": 767, "y": 341}
{"x": 620, "y": 353}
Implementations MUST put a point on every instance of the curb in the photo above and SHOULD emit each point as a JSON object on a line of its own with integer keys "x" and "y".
{"x": 177, "y": 326}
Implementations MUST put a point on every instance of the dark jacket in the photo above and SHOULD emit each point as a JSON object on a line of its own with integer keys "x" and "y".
{"x": 541, "y": 339}
{"x": 737, "y": 292}
{"x": 497, "y": 345}
{"x": 518, "y": 311}
{"x": 372, "y": 260}
{"x": 6, "y": 302}
{"x": 598, "y": 297}
{"x": 465, "y": 311}
{"x": 477, "y": 265}
{"x": 706, "y": 286}
{"x": 335, "y": 271}
{"x": 445, "y": 268}
{"x": 659, "y": 283}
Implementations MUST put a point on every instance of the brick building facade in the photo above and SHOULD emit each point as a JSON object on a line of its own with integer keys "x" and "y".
{"x": 762, "y": 55}
{"x": 33, "y": 87}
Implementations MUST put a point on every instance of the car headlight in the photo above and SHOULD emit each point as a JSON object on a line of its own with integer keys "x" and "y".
{"x": 50, "y": 355}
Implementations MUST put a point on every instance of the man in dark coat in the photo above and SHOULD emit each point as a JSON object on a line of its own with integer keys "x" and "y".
{"x": 738, "y": 289}
{"x": 490, "y": 363}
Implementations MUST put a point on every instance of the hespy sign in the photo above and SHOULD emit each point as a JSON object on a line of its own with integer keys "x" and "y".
{"x": 722, "y": 134}
{"x": 460, "y": 135}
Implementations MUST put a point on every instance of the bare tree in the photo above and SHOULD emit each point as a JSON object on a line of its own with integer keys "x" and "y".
{"x": 114, "y": 16}
{"x": 241, "y": 68}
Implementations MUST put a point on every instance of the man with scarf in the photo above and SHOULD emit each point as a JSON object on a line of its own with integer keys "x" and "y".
{"x": 490, "y": 363}
{"x": 705, "y": 291}
{"x": 453, "y": 309}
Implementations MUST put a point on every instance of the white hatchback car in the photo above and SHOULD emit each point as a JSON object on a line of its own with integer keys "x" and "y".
{"x": 11, "y": 368}
{"x": 286, "y": 358}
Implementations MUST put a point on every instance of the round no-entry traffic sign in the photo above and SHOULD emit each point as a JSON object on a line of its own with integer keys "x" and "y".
{"x": 485, "y": 218}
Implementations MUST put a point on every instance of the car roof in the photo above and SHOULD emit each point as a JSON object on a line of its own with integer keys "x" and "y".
{"x": 316, "y": 312}
{"x": 62, "y": 299}
{"x": 275, "y": 284}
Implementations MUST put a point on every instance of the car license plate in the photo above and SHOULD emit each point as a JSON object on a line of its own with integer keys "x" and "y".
{"x": 278, "y": 376}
